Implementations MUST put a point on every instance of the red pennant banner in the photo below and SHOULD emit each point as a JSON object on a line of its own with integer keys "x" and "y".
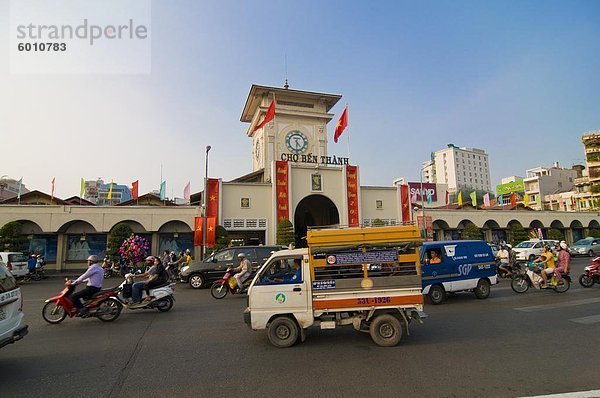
{"x": 212, "y": 198}
{"x": 134, "y": 189}
{"x": 405, "y": 204}
{"x": 211, "y": 231}
{"x": 281, "y": 190}
{"x": 352, "y": 193}
{"x": 198, "y": 231}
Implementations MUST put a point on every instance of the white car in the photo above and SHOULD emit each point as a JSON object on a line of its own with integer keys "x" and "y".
{"x": 12, "y": 327}
{"x": 16, "y": 262}
{"x": 530, "y": 249}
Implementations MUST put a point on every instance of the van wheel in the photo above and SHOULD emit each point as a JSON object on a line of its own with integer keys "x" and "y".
{"x": 385, "y": 330}
{"x": 482, "y": 291}
{"x": 196, "y": 281}
{"x": 437, "y": 294}
{"x": 283, "y": 332}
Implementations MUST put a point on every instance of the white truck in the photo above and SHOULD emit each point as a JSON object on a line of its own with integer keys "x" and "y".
{"x": 368, "y": 278}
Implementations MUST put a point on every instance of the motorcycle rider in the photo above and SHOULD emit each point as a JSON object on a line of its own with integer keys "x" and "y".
{"x": 94, "y": 276}
{"x": 564, "y": 261}
{"x": 546, "y": 258}
{"x": 157, "y": 275}
{"x": 243, "y": 270}
{"x": 504, "y": 257}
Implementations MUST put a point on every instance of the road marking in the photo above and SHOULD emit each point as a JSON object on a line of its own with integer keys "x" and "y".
{"x": 587, "y": 320}
{"x": 565, "y": 304}
{"x": 579, "y": 394}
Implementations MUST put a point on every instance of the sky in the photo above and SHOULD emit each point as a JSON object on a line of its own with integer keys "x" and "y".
{"x": 518, "y": 79}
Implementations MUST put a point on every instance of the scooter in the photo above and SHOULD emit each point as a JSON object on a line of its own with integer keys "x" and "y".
{"x": 531, "y": 278}
{"x": 228, "y": 284}
{"x": 161, "y": 297}
{"x": 101, "y": 306}
{"x": 591, "y": 274}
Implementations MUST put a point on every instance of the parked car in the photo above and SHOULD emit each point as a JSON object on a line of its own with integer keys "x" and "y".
{"x": 202, "y": 273}
{"x": 586, "y": 247}
{"x": 11, "y": 303}
{"x": 16, "y": 262}
{"x": 530, "y": 249}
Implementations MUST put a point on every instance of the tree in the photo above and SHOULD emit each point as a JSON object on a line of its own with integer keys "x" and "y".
{"x": 555, "y": 234}
{"x": 378, "y": 222}
{"x": 285, "y": 233}
{"x": 594, "y": 233}
{"x": 471, "y": 232}
{"x": 118, "y": 235}
{"x": 518, "y": 234}
{"x": 222, "y": 238}
{"x": 10, "y": 237}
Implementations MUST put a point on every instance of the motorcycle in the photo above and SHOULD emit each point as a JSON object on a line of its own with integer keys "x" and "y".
{"x": 111, "y": 268}
{"x": 228, "y": 284}
{"x": 591, "y": 274}
{"x": 100, "y": 305}
{"x": 531, "y": 278}
{"x": 161, "y": 297}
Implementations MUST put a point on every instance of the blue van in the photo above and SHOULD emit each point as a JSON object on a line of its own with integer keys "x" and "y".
{"x": 455, "y": 266}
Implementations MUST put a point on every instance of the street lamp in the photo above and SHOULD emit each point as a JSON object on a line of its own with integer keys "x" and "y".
{"x": 423, "y": 205}
{"x": 203, "y": 253}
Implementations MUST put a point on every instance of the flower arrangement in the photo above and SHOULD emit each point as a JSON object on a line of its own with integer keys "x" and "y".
{"x": 134, "y": 249}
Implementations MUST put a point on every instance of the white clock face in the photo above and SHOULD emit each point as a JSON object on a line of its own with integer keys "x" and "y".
{"x": 296, "y": 142}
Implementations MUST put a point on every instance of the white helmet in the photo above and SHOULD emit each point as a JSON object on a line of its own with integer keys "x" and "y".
{"x": 241, "y": 255}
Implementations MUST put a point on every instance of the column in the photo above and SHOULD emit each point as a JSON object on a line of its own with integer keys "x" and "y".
{"x": 61, "y": 252}
{"x": 155, "y": 244}
{"x": 569, "y": 236}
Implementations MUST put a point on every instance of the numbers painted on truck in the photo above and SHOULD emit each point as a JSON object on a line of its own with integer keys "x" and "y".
{"x": 374, "y": 300}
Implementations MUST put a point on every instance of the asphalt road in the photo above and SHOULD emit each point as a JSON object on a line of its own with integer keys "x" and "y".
{"x": 509, "y": 345}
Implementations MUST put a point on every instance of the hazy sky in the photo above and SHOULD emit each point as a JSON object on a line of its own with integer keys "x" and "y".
{"x": 519, "y": 79}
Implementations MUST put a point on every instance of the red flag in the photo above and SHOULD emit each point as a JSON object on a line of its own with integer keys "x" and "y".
{"x": 134, "y": 189}
{"x": 341, "y": 125}
{"x": 270, "y": 115}
{"x": 405, "y": 202}
{"x": 211, "y": 231}
{"x": 186, "y": 191}
{"x": 513, "y": 199}
{"x": 212, "y": 198}
{"x": 198, "y": 231}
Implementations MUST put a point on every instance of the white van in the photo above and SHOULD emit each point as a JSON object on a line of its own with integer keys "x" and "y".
{"x": 11, "y": 303}
{"x": 529, "y": 250}
{"x": 16, "y": 262}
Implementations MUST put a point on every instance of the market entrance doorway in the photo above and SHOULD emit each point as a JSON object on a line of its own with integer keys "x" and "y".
{"x": 313, "y": 211}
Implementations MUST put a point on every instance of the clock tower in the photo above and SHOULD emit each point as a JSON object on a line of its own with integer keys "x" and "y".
{"x": 298, "y": 133}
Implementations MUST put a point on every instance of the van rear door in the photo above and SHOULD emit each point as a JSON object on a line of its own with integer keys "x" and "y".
{"x": 10, "y": 306}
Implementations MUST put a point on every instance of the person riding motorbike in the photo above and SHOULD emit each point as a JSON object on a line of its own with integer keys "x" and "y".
{"x": 94, "y": 276}
{"x": 546, "y": 258}
{"x": 503, "y": 256}
{"x": 564, "y": 261}
{"x": 157, "y": 275}
{"x": 243, "y": 270}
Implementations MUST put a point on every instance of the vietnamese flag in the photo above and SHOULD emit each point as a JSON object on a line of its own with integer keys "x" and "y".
{"x": 212, "y": 197}
{"x": 211, "y": 231}
{"x": 134, "y": 189}
{"x": 341, "y": 125}
{"x": 404, "y": 200}
{"x": 270, "y": 115}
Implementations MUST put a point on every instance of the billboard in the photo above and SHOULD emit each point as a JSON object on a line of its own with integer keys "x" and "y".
{"x": 418, "y": 196}
{"x": 510, "y": 187}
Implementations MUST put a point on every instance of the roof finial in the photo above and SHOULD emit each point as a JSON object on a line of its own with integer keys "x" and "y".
{"x": 286, "y": 85}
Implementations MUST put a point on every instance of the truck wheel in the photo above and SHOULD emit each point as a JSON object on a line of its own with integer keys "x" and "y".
{"x": 283, "y": 332}
{"x": 386, "y": 330}
{"x": 482, "y": 291}
{"x": 437, "y": 294}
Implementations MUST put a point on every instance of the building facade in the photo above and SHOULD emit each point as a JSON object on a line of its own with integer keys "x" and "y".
{"x": 542, "y": 181}
{"x": 462, "y": 168}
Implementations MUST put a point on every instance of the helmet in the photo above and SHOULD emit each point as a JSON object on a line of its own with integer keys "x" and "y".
{"x": 150, "y": 258}
{"x": 93, "y": 258}
{"x": 187, "y": 251}
{"x": 241, "y": 255}
{"x": 563, "y": 245}
{"x": 509, "y": 246}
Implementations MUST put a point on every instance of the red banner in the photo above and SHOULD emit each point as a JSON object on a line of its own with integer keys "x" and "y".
{"x": 405, "y": 203}
{"x": 211, "y": 231}
{"x": 212, "y": 198}
{"x": 198, "y": 231}
{"x": 281, "y": 190}
{"x": 134, "y": 189}
{"x": 352, "y": 192}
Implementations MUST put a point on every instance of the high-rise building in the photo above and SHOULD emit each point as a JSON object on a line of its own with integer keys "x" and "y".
{"x": 459, "y": 168}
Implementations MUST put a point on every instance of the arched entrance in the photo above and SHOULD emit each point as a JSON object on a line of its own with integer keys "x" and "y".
{"x": 313, "y": 211}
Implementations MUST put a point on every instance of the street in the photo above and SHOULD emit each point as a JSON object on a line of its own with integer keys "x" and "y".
{"x": 537, "y": 343}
